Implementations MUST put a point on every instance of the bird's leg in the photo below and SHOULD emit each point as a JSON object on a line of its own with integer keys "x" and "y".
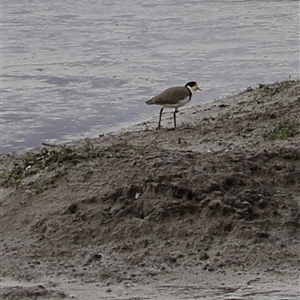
{"x": 174, "y": 116}
{"x": 160, "y": 117}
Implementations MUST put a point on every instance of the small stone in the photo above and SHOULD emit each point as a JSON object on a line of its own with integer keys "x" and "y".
{"x": 96, "y": 256}
{"x": 274, "y": 115}
{"x": 211, "y": 268}
{"x": 93, "y": 257}
{"x": 215, "y": 205}
{"x": 72, "y": 209}
{"x": 203, "y": 255}
{"x": 263, "y": 235}
{"x": 262, "y": 203}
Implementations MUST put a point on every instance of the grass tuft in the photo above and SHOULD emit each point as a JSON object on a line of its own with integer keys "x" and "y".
{"x": 283, "y": 130}
{"x": 33, "y": 163}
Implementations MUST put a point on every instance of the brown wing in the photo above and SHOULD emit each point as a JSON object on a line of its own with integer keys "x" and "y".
{"x": 170, "y": 96}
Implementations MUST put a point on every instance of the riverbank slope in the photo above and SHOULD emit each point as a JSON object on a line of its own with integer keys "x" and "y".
{"x": 218, "y": 196}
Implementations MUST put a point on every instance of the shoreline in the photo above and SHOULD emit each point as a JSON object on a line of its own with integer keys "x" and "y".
{"x": 138, "y": 125}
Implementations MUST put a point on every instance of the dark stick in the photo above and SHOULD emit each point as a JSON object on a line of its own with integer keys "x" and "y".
{"x": 49, "y": 145}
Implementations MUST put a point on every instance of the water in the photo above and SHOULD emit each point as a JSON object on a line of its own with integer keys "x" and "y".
{"x": 269, "y": 289}
{"x": 75, "y": 69}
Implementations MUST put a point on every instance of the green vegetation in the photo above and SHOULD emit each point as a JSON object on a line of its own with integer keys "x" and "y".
{"x": 268, "y": 91}
{"x": 32, "y": 163}
{"x": 277, "y": 87}
{"x": 283, "y": 130}
{"x": 126, "y": 144}
{"x": 46, "y": 160}
{"x": 53, "y": 163}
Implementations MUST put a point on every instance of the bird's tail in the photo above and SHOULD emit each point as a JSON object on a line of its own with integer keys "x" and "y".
{"x": 151, "y": 101}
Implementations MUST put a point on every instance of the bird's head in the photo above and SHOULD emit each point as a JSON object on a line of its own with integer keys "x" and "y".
{"x": 193, "y": 85}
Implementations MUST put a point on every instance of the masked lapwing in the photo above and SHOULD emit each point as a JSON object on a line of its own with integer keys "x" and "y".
{"x": 174, "y": 97}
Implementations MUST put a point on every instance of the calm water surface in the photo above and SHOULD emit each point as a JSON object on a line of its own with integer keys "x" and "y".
{"x": 80, "y": 68}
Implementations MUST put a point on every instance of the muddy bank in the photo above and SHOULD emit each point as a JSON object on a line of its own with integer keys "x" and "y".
{"x": 213, "y": 201}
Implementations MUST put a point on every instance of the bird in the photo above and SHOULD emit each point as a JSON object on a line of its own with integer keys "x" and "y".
{"x": 174, "y": 97}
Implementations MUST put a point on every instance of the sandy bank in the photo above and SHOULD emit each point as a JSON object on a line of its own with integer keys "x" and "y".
{"x": 213, "y": 201}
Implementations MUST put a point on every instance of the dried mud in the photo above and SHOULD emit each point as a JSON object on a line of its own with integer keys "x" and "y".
{"x": 211, "y": 206}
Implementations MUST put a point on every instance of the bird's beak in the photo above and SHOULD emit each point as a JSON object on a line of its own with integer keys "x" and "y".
{"x": 198, "y": 88}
